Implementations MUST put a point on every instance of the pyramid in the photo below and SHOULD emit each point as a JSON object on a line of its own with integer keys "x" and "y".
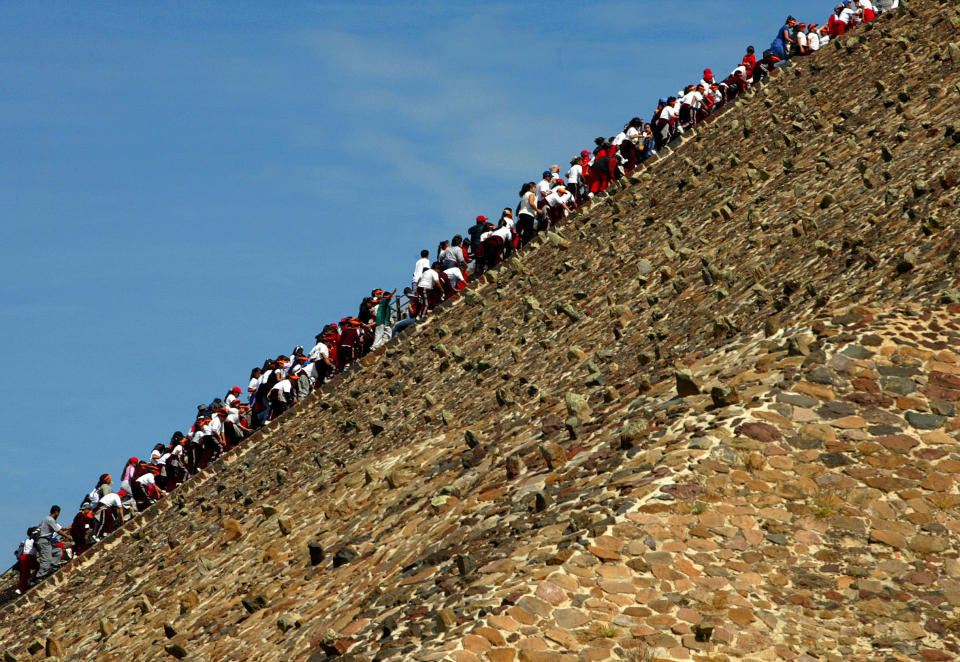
{"x": 714, "y": 418}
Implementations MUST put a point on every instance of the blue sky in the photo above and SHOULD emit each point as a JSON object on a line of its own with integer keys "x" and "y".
{"x": 188, "y": 188}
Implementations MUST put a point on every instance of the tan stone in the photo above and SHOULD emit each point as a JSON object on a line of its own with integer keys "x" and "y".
{"x": 818, "y": 391}
{"x": 501, "y": 655}
{"x": 937, "y": 482}
{"x": 928, "y": 544}
{"x": 888, "y": 538}
{"x": 232, "y": 528}
{"x": 741, "y": 616}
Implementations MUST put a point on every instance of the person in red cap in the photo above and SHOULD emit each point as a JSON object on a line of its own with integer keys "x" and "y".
{"x": 800, "y": 39}
{"x": 232, "y": 396}
{"x": 707, "y": 79}
{"x": 128, "y": 471}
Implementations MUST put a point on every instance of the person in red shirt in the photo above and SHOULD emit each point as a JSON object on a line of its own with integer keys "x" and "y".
{"x": 748, "y": 62}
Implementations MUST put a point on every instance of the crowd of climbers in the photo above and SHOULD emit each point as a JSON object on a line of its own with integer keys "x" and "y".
{"x": 281, "y": 382}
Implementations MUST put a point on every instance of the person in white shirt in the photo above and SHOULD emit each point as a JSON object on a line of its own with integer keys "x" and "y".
{"x": 708, "y": 80}
{"x": 666, "y": 119}
{"x": 526, "y": 218}
{"x": 575, "y": 178}
{"x": 252, "y": 385}
{"x": 429, "y": 289}
{"x": 109, "y": 514}
{"x": 556, "y": 205}
{"x": 280, "y": 397}
{"x": 148, "y": 484}
{"x": 320, "y": 366}
{"x": 232, "y": 395}
{"x": 800, "y": 39}
{"x": 544, "y": 186}
{"x": 423, "y": 264}
{"x": 813, "y": 38}
{"x": 848, "y": 15}
{"x": 26, "y": 561}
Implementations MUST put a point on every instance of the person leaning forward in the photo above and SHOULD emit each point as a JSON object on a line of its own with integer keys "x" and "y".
{"x": 46, "y": 556}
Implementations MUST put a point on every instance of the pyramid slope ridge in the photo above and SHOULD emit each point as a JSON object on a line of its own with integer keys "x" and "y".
{"x": 713, "y": 419}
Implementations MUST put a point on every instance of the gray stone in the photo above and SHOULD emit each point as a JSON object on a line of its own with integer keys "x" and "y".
{"x": 344, "y": 556}
{"x": 926, "y": 421}
{"x": 898, "y": 385}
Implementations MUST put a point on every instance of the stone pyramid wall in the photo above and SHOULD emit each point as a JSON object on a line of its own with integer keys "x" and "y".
{"x": 714, "y": 419}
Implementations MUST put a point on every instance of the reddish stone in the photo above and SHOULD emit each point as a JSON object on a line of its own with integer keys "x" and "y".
{"x": 944, "y": 380}
{"x": 867, "y": 385}
{"x": 898, "y": 442}
{"x": 760, "y": 431}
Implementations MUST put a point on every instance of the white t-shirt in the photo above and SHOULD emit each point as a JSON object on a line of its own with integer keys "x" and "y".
{"x": 163, "y": 458}
{"x": 198, "y": 435}
{"x": 668, "y": 113}
{"x": 633, "y": 134}
{"x": 216, "y": 425}
{"x": 429, "y": 280}
{"x": 505, "y": 232}
{"x": 283, "y": 386}
{"x": 147, "y": 479}
{"x": 814, "y": 40}
{"x": 423, "y": 264}
{"x": 619, "y": 138}
{"x": 111, "y": 501}
{"x": 866, "y": 4}
{"x": 26, "y": 547}
{"x": 824, "y": 38}
{"x": 802, "y": 40}
{"x": 231, "y": 398}
{"x": 254, "y": 383}
{"x": 693, "y": 98}
{"x": 454, "y": 274}
{"x": 94, "y": 497}
{"x": 574, "y": 174}
{"x": 319, "y": 350}
{"x": 177, "y": 450}
{"x": 553, "y": 199}
{"x": 543, "y": 188}
{"x": 847, "y": 14}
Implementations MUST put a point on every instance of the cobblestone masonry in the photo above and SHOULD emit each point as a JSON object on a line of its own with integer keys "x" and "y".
{"x": 714, "y": 420}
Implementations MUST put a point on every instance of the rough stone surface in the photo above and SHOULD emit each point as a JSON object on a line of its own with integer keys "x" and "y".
{"x": 814, "y": 519}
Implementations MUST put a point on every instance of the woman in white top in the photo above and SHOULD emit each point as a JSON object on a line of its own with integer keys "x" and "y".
{"x": 527, "y": 212}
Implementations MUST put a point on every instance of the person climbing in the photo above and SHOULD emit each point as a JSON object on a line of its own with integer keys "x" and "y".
{"x": 26, "y": 555}
{"x": 48, "y": 556}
